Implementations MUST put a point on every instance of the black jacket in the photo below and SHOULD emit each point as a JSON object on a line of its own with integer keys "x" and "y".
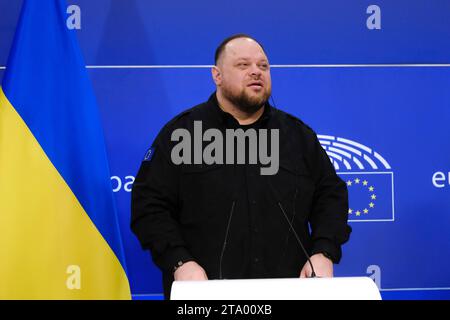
{"x": 182, "y": 212}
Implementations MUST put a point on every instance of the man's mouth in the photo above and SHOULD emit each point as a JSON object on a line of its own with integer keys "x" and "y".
{"x": 256, "y": 84}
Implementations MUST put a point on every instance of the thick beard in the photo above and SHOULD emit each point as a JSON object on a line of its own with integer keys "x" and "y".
{"x": 244, "y": 102}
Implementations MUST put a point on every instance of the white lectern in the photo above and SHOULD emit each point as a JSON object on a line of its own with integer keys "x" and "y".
{"x": 340, "y": 288}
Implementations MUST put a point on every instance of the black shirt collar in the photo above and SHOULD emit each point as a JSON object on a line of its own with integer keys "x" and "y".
{"x": 228, "y": 120}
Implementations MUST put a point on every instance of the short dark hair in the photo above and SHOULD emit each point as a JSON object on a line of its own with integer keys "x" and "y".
{"x": 221, "y": 46}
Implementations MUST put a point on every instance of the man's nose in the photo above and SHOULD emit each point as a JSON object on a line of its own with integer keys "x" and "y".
{"x": 255, "y": 70}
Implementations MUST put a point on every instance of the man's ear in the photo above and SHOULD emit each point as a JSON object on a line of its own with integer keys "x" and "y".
{"x": 216, "y": 75}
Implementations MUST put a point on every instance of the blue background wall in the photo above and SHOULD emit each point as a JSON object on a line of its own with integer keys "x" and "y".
{"x": 387, "y": 89}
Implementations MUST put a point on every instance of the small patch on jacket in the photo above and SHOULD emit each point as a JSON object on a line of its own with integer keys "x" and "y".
{"x": 149, "y": 154}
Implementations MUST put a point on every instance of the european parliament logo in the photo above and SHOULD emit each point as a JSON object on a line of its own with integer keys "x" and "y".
{"x": 369, "y": 179}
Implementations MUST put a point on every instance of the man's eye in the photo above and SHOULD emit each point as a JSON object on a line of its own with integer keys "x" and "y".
{"x": 242, "y": 64}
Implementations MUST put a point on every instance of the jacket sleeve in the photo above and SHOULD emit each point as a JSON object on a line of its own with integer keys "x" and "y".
{"x": 329, "y": 214}
{"x": 154, "y": 209}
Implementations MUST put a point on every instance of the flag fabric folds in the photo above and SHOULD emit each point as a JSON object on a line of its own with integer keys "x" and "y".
{"x": 59, "y": 232}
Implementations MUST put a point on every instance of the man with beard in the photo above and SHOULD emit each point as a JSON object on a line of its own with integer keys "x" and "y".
{"x": 220, "y": 221}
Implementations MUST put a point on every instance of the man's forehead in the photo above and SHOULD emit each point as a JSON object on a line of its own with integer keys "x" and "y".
{"x": 244, "y": 48}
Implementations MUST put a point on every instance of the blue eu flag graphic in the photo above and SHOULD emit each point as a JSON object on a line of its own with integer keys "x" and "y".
{"x": 371, "y": 195}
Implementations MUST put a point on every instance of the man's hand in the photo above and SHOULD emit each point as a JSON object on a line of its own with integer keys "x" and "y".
{"x": 190, "y": 270}
{"x": 322, "y": 266}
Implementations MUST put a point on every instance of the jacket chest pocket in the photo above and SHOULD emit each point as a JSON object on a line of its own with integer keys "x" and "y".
{"x": 202, "y": 189}
{"x": 293, "y": 187}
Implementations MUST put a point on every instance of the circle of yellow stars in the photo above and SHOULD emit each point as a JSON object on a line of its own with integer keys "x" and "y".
{"x": 372, "y": 194}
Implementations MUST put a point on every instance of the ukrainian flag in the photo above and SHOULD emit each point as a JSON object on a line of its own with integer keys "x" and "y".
{"x": 59, "y": 234}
